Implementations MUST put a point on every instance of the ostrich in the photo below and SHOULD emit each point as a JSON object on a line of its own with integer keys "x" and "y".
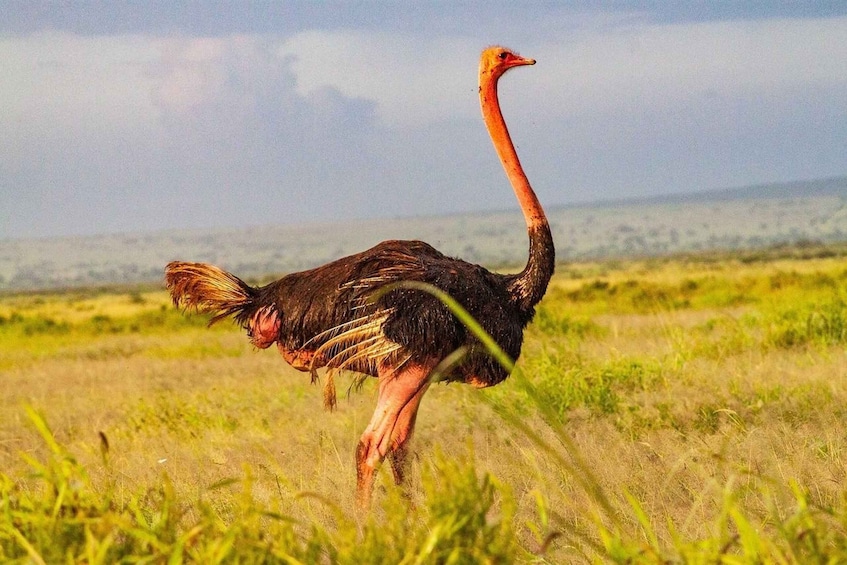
{"x": 353, "y": 314}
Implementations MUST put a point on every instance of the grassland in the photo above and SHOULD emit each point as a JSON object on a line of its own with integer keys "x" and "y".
{"x": 689, "y": 409}
{"x": 753, "y": 217}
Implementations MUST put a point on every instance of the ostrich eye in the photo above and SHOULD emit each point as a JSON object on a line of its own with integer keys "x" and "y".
{"x": 503, "y": 55}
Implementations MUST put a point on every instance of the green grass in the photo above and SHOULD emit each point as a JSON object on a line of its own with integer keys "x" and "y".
{"x": 59, "y": 515}
{"x": 668, "y": 411}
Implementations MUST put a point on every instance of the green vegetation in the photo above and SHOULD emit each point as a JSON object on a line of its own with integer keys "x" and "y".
{"x": 62, "y": 516}
{"x": 663, "y": 411}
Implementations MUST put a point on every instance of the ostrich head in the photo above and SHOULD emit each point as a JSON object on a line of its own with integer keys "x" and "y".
{"x": 497, "y": 60}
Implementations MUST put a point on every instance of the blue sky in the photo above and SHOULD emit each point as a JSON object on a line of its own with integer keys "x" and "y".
{"x": 159, "y": 115}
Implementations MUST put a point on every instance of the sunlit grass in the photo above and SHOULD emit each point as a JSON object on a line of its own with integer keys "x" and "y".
{"x": 684, "y": 410}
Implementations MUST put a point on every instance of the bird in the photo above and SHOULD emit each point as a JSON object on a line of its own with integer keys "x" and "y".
{"x": 355, "y": 314}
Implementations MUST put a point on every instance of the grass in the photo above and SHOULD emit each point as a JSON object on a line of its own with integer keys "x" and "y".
{"x": 663, "y": 411}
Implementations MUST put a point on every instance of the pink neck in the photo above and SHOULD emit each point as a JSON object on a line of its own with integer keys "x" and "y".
{"x": 527, "y": 287}
{"x": 493, "y": 117}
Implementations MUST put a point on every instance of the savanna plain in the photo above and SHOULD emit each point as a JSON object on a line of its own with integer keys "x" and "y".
{"x": 688, "y": 409}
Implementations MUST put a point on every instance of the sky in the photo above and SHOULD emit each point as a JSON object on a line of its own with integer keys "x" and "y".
{"x": 144, "y": 116}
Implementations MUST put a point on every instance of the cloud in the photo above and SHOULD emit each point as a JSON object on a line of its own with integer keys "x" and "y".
{"x": 153, "y": 130}
{"x": 606, "y": 62}
{"x": 647, "y": 65}
{"x": 57, "y": 82}
{"x": 114, "y": 133}
{"x": 413, "y": 80}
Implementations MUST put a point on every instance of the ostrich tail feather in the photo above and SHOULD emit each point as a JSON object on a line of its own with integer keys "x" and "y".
{"x": 208, "y": 289}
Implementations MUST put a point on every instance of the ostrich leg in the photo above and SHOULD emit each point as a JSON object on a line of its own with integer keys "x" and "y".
{"x": 400, "y": 393}
{"x": 403, "y": 429}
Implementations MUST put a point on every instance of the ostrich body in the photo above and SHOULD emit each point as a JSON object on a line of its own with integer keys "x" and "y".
{"x": 351, "y": 315}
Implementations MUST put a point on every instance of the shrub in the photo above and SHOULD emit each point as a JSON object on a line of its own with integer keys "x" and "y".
{"x": 809, "y": 322}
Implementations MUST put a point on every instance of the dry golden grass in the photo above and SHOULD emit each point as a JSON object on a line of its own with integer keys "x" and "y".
{"x": 685, "y": 399}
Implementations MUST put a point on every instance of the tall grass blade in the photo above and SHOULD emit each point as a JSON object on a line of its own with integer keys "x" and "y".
{"x": 578, "y": 468}
{"x": 30, "y": 550}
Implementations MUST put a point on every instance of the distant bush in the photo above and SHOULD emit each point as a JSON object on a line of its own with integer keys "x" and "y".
{"x": 101, "y": 324}
{"x": 567, "y": 381}
{"x": 645, "y": 297}
{"x": 33, "y": 325}
{"x": 552, "y": 319}
{"x": 810, "y": 322}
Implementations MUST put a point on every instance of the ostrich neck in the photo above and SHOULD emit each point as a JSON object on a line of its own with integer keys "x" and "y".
{"x": 529, "y": 285}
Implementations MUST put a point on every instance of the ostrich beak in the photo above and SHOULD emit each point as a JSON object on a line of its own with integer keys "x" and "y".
{"x": 520, "y": 61}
